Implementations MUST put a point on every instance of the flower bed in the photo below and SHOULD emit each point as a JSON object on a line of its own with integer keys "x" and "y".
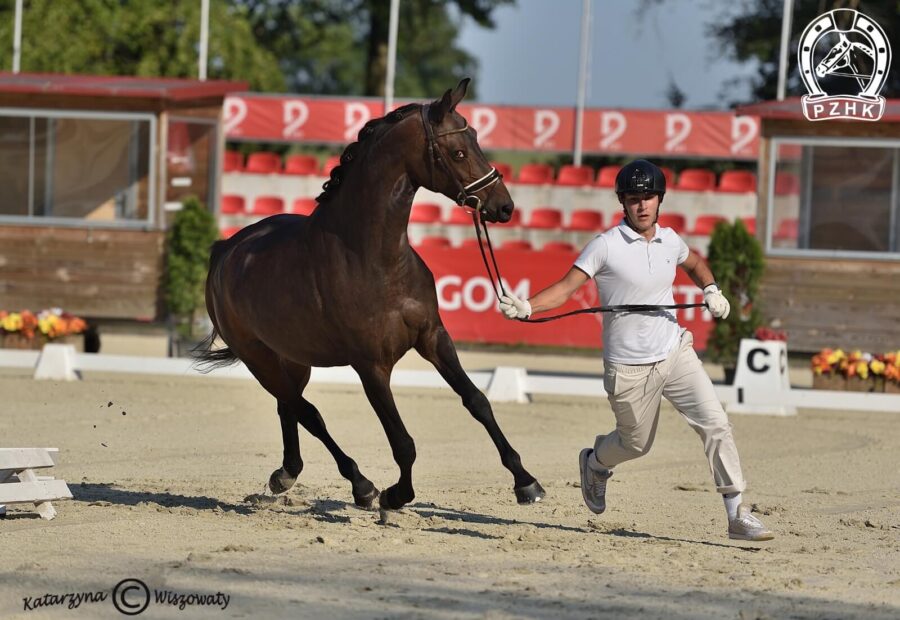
{"x": 833, "y": 369}
{"x": 29, "y": 330}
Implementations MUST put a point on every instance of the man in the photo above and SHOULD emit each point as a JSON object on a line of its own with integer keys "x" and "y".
{"x": 647, "y": 355}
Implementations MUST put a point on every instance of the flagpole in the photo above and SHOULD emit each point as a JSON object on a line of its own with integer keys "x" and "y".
{"x": 392, "y": 57}
{"x": 582, "y": 77}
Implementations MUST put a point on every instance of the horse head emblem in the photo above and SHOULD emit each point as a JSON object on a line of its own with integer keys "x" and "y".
{"x": 862, "y": 52}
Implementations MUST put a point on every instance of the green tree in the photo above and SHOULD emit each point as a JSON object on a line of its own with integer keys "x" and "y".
{"x": 188, "y": 243}
{"x": 340, "y": 46}
{"x": 137, "y": 37}
{"x": 736, "y": 260}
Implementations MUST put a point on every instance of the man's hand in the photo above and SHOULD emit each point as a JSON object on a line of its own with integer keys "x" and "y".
{"x": 716, "y": 302}
{"x": 514, "y": 308}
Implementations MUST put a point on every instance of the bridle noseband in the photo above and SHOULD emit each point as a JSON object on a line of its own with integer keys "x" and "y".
{"x": 465, "y": 197}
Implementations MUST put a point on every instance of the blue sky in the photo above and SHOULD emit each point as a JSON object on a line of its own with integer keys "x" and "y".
{"x": 531, "y": 58}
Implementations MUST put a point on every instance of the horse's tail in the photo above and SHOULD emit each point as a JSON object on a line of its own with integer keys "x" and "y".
{"x": 207, "y": 359}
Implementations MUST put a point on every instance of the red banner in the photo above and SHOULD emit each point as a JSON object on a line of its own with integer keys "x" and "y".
{"x": 470, "y": 313}
{"x": 661, "y": 133}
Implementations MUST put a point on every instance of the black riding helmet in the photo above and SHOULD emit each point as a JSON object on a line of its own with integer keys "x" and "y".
{"x": 641, "y": 176}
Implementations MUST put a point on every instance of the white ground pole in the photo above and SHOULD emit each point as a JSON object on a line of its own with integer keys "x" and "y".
{"x": 204, "y": 38}
{"x": 17, "y": 38}
{"x": 503, "y": 384}
{"x": 582, "y": 77}
{"x": 787, "y": 14}
{"x": 392, "y": 56}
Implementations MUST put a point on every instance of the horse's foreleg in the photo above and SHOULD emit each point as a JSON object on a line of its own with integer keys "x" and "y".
{"x": 376, "y": 383}
{"x": 437, "y": 347}
{"x": 364, "y": 492}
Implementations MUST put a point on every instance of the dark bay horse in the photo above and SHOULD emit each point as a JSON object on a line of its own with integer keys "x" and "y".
{"x": 343, "y": 287}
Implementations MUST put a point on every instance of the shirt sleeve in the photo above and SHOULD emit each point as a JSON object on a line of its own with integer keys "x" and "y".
{"x": 593, "y": 256}
{"x": 683, "y": 250}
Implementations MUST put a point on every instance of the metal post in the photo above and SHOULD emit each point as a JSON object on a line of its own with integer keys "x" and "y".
{"x": 204, "y": 37}
{"x": 17, "y": 38}
{"x": 787, "y": 14}
{"x": 392, "y": 56}
{"x": 582, "y": 76}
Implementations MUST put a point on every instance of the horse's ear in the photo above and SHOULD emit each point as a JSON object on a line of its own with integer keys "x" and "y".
{"x": 439, "y": 109}
{"x": 459, "y": 92}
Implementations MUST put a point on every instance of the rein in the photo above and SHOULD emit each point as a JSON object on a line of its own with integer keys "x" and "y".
{"x": 466, "y": 198}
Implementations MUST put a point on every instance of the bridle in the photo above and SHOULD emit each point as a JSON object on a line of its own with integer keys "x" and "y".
{"x": 467, "y": 199}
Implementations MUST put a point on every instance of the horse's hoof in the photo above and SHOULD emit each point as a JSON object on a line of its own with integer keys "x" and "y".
{"x": 530, "y": 494}
{"x": 391, "y": 500}
{"x": 280, "y": 481}
{"x": 367, "y": 500}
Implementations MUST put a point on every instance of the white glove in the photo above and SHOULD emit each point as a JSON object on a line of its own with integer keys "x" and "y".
{"x": 514, "y": 308}
{"x": 716, "y": 302}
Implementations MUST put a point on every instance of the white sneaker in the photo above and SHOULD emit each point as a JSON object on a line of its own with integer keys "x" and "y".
{"x": 747, "y": 527}
{"x": 593, "y": 481}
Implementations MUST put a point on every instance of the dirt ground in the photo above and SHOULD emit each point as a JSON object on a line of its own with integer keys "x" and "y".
{"x": 160, "y": 468}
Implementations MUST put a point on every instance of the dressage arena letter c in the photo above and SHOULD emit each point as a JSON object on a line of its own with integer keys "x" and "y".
{"x": 751, "y": 356}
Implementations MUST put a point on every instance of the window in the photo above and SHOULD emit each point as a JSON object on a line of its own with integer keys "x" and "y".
{"x": 834, "y": 197}
{"x": 76, "y": 168}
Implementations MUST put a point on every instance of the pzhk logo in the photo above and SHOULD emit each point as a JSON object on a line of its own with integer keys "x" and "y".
{"x": 857, "y": 56}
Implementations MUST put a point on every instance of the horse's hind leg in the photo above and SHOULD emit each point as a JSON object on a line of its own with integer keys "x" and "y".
{"x": 437, "y": 347}
{"x": 364, "y": 492}
{"x": 376, "y": 383}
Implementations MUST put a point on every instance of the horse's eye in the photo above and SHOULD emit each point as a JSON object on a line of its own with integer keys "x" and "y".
{"x": 459, "y": 155}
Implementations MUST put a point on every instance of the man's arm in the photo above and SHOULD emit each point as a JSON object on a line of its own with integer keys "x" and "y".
{"x": 551, "y": 297}
{"x": 697, "y": 270}
{"x": 557, "y": 294}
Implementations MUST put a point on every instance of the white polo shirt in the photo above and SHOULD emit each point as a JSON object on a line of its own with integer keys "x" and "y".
{"x": 628, "y": 269}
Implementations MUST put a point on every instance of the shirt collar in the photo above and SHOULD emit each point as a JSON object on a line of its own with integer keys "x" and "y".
{"x": 633, "y": 235}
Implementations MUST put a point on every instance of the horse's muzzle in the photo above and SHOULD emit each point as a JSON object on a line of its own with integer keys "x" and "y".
{"x": 505, "y": 212}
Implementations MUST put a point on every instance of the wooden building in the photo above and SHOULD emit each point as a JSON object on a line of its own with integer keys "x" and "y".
{"x": 92, "y": 168}
{"x": 829, "y": 219}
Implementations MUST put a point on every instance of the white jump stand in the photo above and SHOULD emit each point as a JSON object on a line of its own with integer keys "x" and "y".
{"x": 761, "y": 381}
{"x": 20, "y": 485}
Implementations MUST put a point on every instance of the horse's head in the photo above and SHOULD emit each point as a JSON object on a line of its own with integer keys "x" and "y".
{"x": 454, "y": 164}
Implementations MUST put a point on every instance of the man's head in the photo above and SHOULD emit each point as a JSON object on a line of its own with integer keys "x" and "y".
{"x": 640, "y": 187}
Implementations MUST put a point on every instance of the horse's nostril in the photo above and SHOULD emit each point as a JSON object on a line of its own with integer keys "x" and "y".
{"x": 507, "y": 209}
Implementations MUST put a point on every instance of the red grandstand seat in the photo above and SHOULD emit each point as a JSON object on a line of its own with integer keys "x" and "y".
{"x": 705, "y": 224}
{"x": 232, "y": 205}
{"x": 750, "y": 224}
{"x": 558, "y": 246}
{"x": 517, "y": 244}
{"x": 504, "y": 169}
{"x": 469, "y": 243}
{"x": 670, "y": 176}
{"x": 425, "y": 213}
{"x": 788, "y": 229}
{"x": 545, "y": 218}
{"x": 535, "y": 174}
{"x": 330, "y": 164}
{"x": 301, "y": 164}
{"x": 267, "y": 205}
{"x": 696, "y": 180}
{"x": 434, "y": 242}
{"x": 606, "y": 176}
{"x": 585, "y": 220}
{"x": 263, "y": 162}
{"x": 786, "y": 183}
{"x": 575, "y": 175}
{"x": 230, "y": 231}
{"x": 675, "y": 221}
{"x": 234, "y": 162}
{"x": 737, "y": 181}
{"x": 304, "y": 206}
{"x": 459, "y": 217}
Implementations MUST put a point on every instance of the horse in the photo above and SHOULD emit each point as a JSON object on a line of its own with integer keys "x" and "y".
{"x": 343, "y": 287}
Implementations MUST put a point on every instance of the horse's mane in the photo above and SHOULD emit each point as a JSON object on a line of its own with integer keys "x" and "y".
{"x": 333, "y": 184}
